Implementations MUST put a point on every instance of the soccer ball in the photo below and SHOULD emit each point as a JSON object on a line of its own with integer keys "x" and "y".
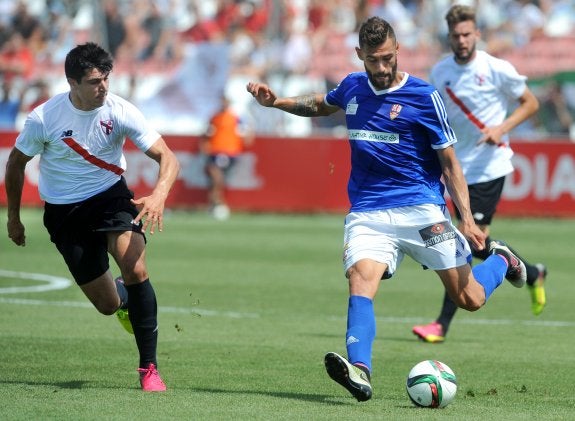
{"x": 431, "y": 384}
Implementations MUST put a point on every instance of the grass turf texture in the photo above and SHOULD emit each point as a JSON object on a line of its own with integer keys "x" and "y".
{"x": 249, "y": 307}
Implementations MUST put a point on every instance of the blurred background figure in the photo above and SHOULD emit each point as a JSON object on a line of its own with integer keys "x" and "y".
{"x": 169, "y": 52}
{"x": 10, "y": 104}
{"x": 556, "y": 115}
{"x": 224, "y": 140}
{"x": 40, "y": 94}
{"x": 16, "y": 58}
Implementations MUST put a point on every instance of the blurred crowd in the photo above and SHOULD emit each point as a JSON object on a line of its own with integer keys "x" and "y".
{"x": 296, "y": 46}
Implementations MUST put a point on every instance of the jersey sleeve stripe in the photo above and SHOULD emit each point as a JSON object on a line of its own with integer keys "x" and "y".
{"x": 442, "y": 116}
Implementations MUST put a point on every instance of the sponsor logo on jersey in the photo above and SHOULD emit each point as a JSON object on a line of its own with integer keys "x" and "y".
{"x": 372, "y": 136}
{"x": 107, "y": 126}
{"x": 395, "y": 110}
{"x": 437, "y": 233}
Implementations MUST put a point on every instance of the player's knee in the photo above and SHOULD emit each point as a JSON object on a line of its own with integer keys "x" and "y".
{"x": 107, "y": 308}
{"x": 472, "y": 306}
{"x": 136, "y": 273}
{"x": 469, "y": 302}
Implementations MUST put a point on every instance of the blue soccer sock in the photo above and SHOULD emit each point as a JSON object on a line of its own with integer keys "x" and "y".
{"x": 490, "y": 273}
{"x": 360, "y": 330}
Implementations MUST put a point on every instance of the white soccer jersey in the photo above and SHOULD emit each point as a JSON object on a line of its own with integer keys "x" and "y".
{"x": 479, "y": 94}
{"x": 81, "y": 151}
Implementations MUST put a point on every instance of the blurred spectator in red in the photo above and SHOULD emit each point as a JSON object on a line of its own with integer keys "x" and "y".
{"x": 317, "y": 14}
{"x": 16, "y": 59}
{"x": 229, "y": 17}
{"x": 256, "y": 15}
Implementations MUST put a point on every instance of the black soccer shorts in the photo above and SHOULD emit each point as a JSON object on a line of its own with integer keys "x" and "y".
{"x": 79, "y": 229}
{"x": 483, "y": 199}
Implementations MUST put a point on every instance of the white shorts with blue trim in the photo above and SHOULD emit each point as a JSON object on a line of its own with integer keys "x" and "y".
{"x": 424, "y": 232}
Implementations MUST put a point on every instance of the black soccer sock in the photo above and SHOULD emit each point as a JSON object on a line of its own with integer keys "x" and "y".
{"x": 448, "y": 310}
{"x": 122, "y": 292}
{"x": 143, "y": 311}
{"x": 532, "y": 273}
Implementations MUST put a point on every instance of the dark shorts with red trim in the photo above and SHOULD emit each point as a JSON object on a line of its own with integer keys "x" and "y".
{"x": 79, "y": 229}
{"x": 483, "y": 198}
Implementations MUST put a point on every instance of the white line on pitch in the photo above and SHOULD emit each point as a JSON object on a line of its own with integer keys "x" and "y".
{"x": 56, "y": 283}
{"x": 192, "y": 310}
{"x": 53, "y": 282}
{"x": 241, "y": 315}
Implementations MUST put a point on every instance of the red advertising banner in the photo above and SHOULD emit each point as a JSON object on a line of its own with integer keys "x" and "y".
{"x": 310, "y": 175}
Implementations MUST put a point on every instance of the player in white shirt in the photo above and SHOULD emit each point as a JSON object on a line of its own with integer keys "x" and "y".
{"x": 401, "y": 147}
{"x": 485, "y": 98}
{"x": 89, "y": 211}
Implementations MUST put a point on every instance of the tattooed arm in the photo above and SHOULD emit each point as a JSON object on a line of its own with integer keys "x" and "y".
{"x": 311, "y": 105}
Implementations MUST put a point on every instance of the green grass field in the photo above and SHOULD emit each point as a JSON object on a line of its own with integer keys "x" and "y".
{"x": 249, "y": 307}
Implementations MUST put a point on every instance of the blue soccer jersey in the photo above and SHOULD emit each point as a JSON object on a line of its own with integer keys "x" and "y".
{"x": 393, "y": 136}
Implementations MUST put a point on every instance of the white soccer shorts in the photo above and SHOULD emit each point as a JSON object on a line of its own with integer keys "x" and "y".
{"x": 424, "y": 232}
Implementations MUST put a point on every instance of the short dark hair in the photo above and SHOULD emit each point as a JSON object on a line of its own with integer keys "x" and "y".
{"x": 374, "y": 32}
{"x": 459, "y": 13}
{"x": 85, "y": 57}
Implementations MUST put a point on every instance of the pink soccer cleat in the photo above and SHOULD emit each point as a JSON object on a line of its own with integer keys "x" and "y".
{"x": 432, "y": 332}
{"x": 150, "y": 379}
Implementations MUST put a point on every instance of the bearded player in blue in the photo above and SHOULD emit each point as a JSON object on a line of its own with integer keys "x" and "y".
{"x": 401, "y": 154}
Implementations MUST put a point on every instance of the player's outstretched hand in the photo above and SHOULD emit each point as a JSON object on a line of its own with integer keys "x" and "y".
{"x": 151, "y": 213}
{"x": 262, "y": 93}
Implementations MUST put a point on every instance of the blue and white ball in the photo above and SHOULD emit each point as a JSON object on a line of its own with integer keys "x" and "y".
{"x": 431, "y": 384}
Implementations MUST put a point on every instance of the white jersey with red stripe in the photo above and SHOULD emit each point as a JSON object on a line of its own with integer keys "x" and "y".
{"x": 476, "y": 95}
{"x": 81, "y": 151}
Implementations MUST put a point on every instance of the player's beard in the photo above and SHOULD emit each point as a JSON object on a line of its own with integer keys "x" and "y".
{"x": 466, "y": 55}
{"x": 382, "y": 80}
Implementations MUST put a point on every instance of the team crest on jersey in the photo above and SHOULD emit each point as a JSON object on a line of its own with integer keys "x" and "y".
{"x": 395, "y": 110}
{"x": 480, "y": 79}
{"x": 352, "y": 107}
{"x": 107, "y": 126}
{"x": 437, "y": 233}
